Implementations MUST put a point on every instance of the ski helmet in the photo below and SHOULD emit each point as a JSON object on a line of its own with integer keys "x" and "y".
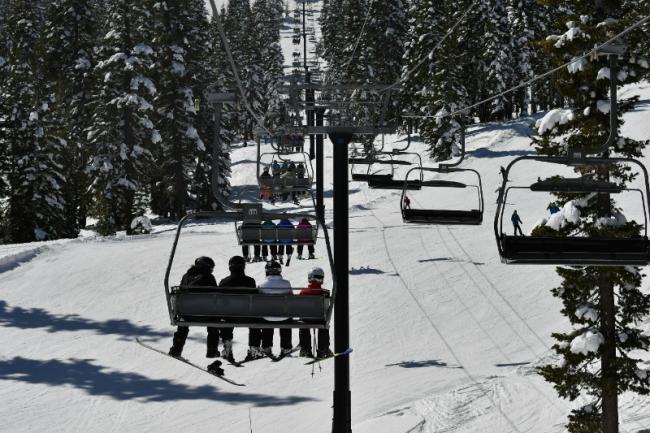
{"x": 317, "y": 275}
{"x": 273, "y": 268}
{"x": 204, "y": 262}
{"x": 236, "y": 262}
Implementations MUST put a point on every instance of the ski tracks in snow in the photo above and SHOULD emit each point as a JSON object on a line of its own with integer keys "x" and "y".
{"x": 484, "y": 392}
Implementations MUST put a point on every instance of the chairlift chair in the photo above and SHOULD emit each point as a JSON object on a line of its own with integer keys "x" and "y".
{"x": 242, "y": 307}
{"x": 573, "y": 250}
{"x": 283, "y": 185}
{"x": 392, "y": 183}
{"x": 443, "y": 216}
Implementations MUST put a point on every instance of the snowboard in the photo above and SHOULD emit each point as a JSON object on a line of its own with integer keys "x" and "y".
{"x": 334, "y": 355}
{"x": 188, "y": 362}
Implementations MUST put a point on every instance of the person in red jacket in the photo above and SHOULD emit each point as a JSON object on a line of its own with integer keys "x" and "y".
{"x": 315, "y": 287}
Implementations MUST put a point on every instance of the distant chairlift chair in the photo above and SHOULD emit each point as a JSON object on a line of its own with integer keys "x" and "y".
{"x": 444, "y": 216}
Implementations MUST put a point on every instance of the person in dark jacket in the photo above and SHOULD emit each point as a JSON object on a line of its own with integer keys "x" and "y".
{"x": 199, "y": 275}
{"x": 516, "y": 221}
{"x": 238, "y": 278}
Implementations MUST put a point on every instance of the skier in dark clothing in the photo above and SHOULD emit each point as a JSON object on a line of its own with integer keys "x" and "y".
{"x": 407, "y": 202}
{"x": 515, "y": 222}
{"x": 199, "y": 275}
{"x": 315, "y": 287}
{"x": 238, "y": 278}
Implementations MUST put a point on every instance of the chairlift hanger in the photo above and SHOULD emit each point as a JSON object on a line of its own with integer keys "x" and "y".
{"x": 578, "y": 251}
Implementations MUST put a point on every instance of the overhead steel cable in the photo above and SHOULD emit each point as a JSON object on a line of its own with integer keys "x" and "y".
{"x": 597, "y": 48}
{"x": 240, "y": 87}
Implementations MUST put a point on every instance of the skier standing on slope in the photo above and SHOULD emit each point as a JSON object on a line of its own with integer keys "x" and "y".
{"x": 516, "y": 221}
{"x": 274, "y": 284}
{"x": 315, "y": 280}
{"x": 238, "y": 278}
{"x": 407, "y": 202}
{"x": 199, "y": 275}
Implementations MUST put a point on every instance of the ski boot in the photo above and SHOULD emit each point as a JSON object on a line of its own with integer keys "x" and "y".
{"x": 306, "y": 353}
{"x": 311, "y": 257}
{"x": 299, "y": 256}
{"x": 253, "y": 353}
{"x": 226, "y": 353}
{"x": 325, "y": 353}
{"x": 215, "y": 368}
{"x": 284, "y": 352}
{"x": 175, "y": 352}
{"x": 212, "y": 353}
{"x": 267, "y": 351}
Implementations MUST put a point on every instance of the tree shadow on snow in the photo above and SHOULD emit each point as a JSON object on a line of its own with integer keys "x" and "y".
{"x": 98, "y": 380}
{"x": 35, "y": 318}
{"x": 421, "y": 364}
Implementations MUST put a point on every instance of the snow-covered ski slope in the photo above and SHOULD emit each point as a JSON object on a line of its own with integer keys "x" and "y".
{"x": 445, "y": 337}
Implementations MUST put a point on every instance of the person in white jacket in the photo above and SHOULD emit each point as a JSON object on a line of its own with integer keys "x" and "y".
{"x": 274, "y": 284}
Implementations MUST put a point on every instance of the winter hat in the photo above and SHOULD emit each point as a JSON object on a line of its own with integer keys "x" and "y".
{"x": 236, "y": 262}
{"x": 317, "y": 275}
{"x": 204, "y": 262}
{"x": 273, "y": 268}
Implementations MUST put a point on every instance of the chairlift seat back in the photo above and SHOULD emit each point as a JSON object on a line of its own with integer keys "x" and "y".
{"x": 443, "y": 216}
{"x": 575, "y": 250}
{"x": 576, "y": 185}
{"x": 251, "y": 232}
{"x": 238, "y": 307}
{"x": 394, "y": 184}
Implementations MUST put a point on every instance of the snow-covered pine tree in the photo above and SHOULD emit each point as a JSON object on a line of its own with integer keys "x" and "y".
{"x": 215, "y": 74}
{"x": 122, "y": 131}
{"x": 70, "y": 37}
{"x": 491, "y": 55}
{"x": 436, "y": 86}
{"x": 267, "y": 19}
{"x": 180, "y": 70}
{"x": 527, "y": 22}
{"x": 239, "y": 29}
{"x": 331, "y": 19}
{"x": 380, "y": 52}
{"x": 32, "y": 170}
{"x": 593, "y": 365}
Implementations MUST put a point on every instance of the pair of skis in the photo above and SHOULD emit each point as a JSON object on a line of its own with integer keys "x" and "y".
{"x": 239, "y": 364}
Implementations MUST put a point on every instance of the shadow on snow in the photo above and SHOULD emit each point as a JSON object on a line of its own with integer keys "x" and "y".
{"x": 421, "y": 364}
{"x": 98, "y": 380}
{"x": 34, "y": 318}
